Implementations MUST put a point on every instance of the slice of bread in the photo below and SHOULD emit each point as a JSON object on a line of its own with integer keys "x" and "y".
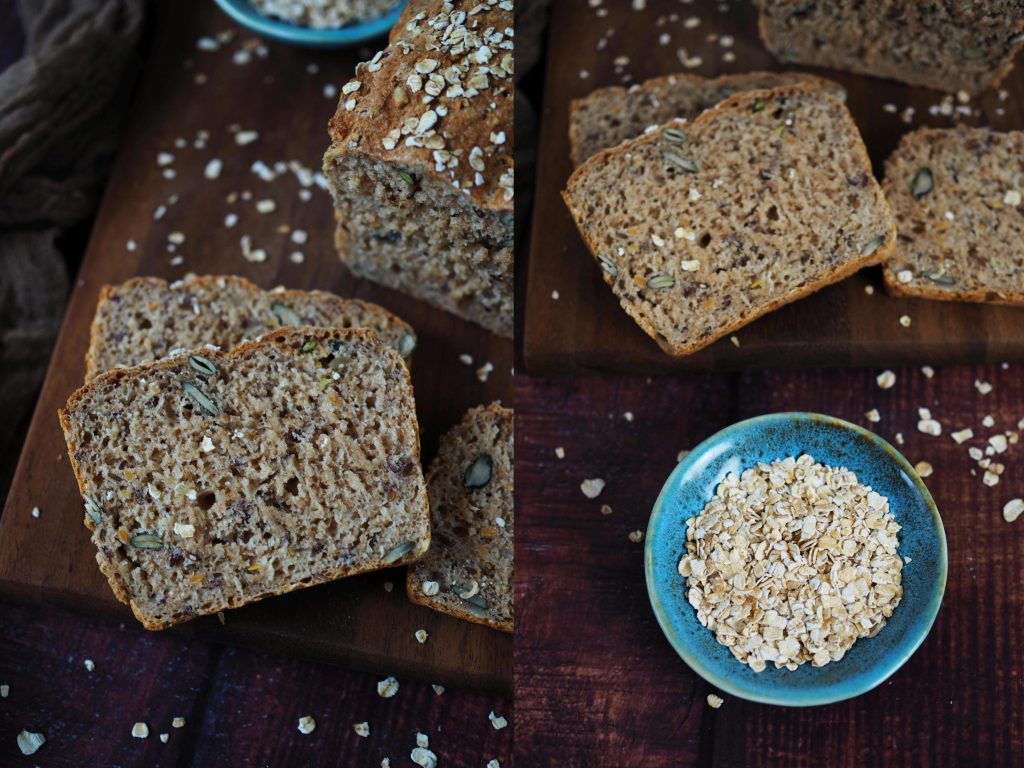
{"x": 468, "y": 570}
{"x": 950, "y": 46}
{"x": 957, "y": 197}
{"x": 608, "y": 116}
{"x": 701, "y": 227}
{"x": 145, "y": 318}
{"x": 214, "y": 480}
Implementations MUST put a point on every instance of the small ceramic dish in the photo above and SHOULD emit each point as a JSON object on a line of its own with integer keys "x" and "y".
{"x": 308, "y": 37}
{"x": 832, "y": 442}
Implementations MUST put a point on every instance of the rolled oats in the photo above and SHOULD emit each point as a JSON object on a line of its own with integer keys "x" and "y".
{"x": 792, "y": 562}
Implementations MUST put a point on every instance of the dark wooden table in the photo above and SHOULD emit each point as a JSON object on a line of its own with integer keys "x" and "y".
{"x": 597, "y": 684}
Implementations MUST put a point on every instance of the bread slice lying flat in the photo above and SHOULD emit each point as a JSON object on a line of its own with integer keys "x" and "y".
{"x": 608, "y": 116}
{"x": 468, "y": 570}
{"x": 214, "y": 480}
{"x": 701, "y": 227}
{"x": 146, "y": 318}
{"x": 957, "y": 196}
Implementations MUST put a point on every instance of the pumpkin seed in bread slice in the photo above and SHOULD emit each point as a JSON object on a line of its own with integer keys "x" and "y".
{"x": 146, "y": 318}
{"x": 213, "y": 480}
{"x": 957, "y": 197}
{"x": 608, "y": 116}
{"x": 468, "y": 570}
{"x": 699, "y": 228}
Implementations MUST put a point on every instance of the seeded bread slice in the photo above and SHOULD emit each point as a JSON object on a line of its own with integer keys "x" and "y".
{"x": 701, "y": 227}
{"x": 949, "y": 46}
{"x": 215, "y": 480}
{"x": 470, "y": 487}
{"x": 956, "y": 194}
{"x": 608, "y": 116}
{"x": 420, "y": 166}
{"x": 146, "y": 318}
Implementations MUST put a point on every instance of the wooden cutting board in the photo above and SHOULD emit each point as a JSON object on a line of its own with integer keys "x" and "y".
{"x": 585, "y": 329}
{"x": 186, "y": 93}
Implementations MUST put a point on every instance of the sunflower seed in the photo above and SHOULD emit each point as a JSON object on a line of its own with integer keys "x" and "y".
{"x": 477, "y": 606}
{"x": 203, "y": 366}
{"x": 285, "y": 315}
{"x": 407, "y": 178}
{"x": 407, "y": 345}
{"x": 678, "y": 160}
{"x": 146, "y": 541}
{"x": 673, "y": 136}
{"x": 922, "y": 184}
{"x": 872, "y": 246}
{"x": 479, "y": 472}
{"x": 939, "y": 278}
{"x": 399, "y": 552}
{"x": 200, "y": 398}
{"x": 609, "y": 266}
{"x": 657, "y": 281}
{"x": 93, "y": 509}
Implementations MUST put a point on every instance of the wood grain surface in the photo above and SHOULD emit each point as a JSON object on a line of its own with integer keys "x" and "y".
{"x": 597, "y": 684}
{"x": 585, "y": 329}
{"x": 241, "y": 708}
{"x": 186, "y": 94}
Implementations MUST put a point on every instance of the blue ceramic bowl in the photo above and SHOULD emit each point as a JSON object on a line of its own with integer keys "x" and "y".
{"x": 243, "y": 12}
{"x": 829, "y": 441}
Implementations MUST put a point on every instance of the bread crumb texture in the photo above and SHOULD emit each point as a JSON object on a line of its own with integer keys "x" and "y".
{"x": 218, "y": 479}
{"x": 470, "y": 485}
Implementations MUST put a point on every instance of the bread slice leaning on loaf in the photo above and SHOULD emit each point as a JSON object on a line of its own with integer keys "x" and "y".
{"x": 420, "y": 165}
{"x": 146, "y": 318}
{"x": 216, "y": 479}
{"x": 468, "y": 571}
{"x": 701, "y": 227}
{"x": 608, "y": 116}
{"x": 957, "y": 196}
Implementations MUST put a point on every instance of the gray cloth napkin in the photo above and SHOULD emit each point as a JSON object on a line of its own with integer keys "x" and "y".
{"x": 61, "y": 109}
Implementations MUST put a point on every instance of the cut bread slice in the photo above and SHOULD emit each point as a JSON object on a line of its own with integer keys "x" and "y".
{"x": 950, "y": 46}
{"x": 957, "y": 197}
{"x": 146, "y": 318}
{"x": 701, "y": 227}
{"x": 468, "y": 570}
{"x": 214, "y": 480}
{"x": 608, "y": 116}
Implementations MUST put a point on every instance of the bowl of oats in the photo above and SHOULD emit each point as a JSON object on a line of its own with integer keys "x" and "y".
{"x": 795, "y": 559}
{"x": 316, "y": 23}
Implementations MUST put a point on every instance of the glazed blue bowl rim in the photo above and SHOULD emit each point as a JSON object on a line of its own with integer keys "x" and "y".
{"x": 885, "y": 666}
{"x": 243, "y": 12}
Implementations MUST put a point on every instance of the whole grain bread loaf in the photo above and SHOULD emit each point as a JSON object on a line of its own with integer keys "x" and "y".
{"x": 468, "y": 571}
{"x": 420, "y": 166}
{"x": 608, "y": 116}
{"x": 956, "y": 194}
{"x": 949, "y": 46}
{"x": 701, "y": 227}
{"x": 146, "y": 318}
{"x": 212, "y": 480}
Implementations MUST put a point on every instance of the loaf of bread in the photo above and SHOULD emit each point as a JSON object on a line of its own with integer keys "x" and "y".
{"x": 420, "y": 166}
{"x": 956, "y": 194}
{"x": 949, "y": 46}
{"x": 608, "y": 116}
{"x": 468, "y": 570}
{"x": 145, "y": 319}
{"x": 212, "y": 480}
{"x": 701, "y": 227}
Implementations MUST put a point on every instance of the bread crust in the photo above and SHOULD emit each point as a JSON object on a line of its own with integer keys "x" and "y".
{"x": 889, "y": 273}
{"x": 211, "y": 282}
{"x": 280, "y": 338}
{"x": 735, "y": 103}
{"x": 416, "y": 596}
{"x": 683, "y": 80}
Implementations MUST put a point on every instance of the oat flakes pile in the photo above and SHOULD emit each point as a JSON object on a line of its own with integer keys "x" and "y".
{"x": 793, "y": 561}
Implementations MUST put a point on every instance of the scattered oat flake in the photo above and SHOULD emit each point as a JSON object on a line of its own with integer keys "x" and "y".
{"x": 1013, "y": 509}
{"x": 5, "y": 691}
{"x": 266, "y": 206}
{"x": 923, "y": 468}
{"x": 246, "y": 137}
{"x": 423, "y": 757}
{"x": 988, "y": 421}
{"x": 560, "y": 452}
{"x": 35, "y": 511}
{"x": 388, "y": 586}
{"x": 362, "y": 729}
{"x": 493, "y": 764}
{"x": 628, "y": 415}
{"x": 465, "y": 359}
{"x": 90, "y": 665}
{"x": 898, "y": 437}
{"x": 636, "y": 536}
{"x": 869, "y": 290}
{"x": 178, "y": 722}
{"x": 165, "y": 737}
{"x": 421, "y": 636}
{"x": 307, "y": 725}
{"x": 682, "y": 455}
{"x": 928, "y": 371}
{"x": 140, "y": 731}
{"x": 886, "y": 379}
{"x": 484, "y": 371}
{"x": 438, "y": 689}
{"x": 990, "y": 478}
{"x": 982, "y": 386}
{"x": 873, "y": 416}
{"x": 497, "y": 721}
{"x": 387, "y": 687}
{"x": 213, "y": 169}
{"x": 715, "y": 701}
{"x": 29, "y": 742}
{"x": 962, "y": 435}
{"x": 929, "y": 426}
{"x": 605, "y": 509}
{"x": 905, "y": 321}
{"x": 592, "y": 487}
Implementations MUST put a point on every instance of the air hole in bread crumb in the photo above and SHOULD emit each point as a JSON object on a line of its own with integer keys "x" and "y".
{"x": 206, "y": 500}
{"x": 292, "y": 486}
